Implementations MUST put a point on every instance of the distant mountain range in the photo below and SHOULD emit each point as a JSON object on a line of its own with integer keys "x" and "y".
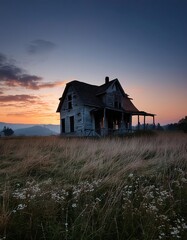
{"x": 34, "y": 131}
{"x": 31, "y": 129}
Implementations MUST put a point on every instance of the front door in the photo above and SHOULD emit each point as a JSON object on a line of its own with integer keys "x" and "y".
{"x": 97, "y": 125}
{"x": 63, "y": 125}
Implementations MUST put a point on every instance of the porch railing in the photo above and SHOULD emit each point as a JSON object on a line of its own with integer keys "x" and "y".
{"x": 106, "y": 132}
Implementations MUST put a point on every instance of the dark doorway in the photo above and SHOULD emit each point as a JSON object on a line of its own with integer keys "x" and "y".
{"x": 97, "y": 126}
{"x": 63, "y": 125}
{"x": 98, "y": 121}
{"x": 72, "y": 124}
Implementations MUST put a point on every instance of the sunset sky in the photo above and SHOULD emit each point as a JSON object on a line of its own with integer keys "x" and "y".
{"x": 46, "y": 43}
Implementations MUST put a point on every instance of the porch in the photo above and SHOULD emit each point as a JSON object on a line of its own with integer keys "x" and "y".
{"x": 108, "y": 121}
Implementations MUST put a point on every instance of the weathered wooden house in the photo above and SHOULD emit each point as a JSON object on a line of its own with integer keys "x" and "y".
{"x": 89, "y": 110}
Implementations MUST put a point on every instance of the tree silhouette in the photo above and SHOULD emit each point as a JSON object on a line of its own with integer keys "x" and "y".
{"x": 7, "y": 131}
{"x": 159, "y": 127}
{"x": 182, "y": 124}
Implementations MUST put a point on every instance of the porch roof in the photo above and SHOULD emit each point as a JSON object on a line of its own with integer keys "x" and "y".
{"x": 134, "y": 113}
{"x": 142, "y": 113}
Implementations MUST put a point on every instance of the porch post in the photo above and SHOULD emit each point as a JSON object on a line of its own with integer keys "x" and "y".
{"x": 144, "y": 122}
{"x": 122, "y": 117}
{"x": 123, "y": 128}
{"x": 130, "y": 123}
{"x": 153, "y": 121}
{"x": 138, "y": 122}
{"x": 104, "y": 122}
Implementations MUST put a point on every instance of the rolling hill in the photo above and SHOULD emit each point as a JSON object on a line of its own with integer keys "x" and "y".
{"x": 34, "y": 131}
{"x": 17, "y": 126}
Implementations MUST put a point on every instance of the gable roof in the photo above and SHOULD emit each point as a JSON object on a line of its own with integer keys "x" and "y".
{"x": 89, "y": 94}
{"x": 86, "y": 92}
{"x": 129, "y": 106}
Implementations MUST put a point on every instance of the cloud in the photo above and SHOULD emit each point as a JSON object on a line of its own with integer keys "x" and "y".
{"x": 2, "y": 58}
{"x": 39, "y": 46}
{"x": 51, "y": 85}
{"x": 19, "y": 98}
{"x": 16, "y": 114}
{"x": 13, "y": 76}
{"x": 23, "y": 102}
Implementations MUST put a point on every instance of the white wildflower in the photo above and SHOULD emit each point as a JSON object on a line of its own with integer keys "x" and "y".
{"x": 66, "y": 226}
{"x": 74, "y": 205}
{"x": 184, "y": 226}
{"x": 161, "y": 235}
{"x": 131, "y": 175}
{"x": 184, "y": 180}
{"x": 153, "y": 208}
{"x": 21, "y": 206}
{"x": 98, "y": 199}
{"x": 175, "y": 231}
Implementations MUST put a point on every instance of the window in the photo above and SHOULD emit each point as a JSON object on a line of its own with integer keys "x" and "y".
{"x": 63, "y": 125}
{"x": 117, "y": 101}
{"x": 70, "y": 101}
{"x": 116, "y": 104}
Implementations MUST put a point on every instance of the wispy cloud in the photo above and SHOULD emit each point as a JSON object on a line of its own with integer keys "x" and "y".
{"x": 14, "y": 76}
{"x": 16, "y": 114}
{"x": 24, "y": 102}
{"x": 39, "y": 46}
{"x": 51, "y": 85}
{"x": 19, "y": 98}
{"x": 2, "y": 58}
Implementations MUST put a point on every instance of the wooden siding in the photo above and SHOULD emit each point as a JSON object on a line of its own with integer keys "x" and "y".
{"x": 82, "y": 116}
{"x": 112, "y": 95}
{"x": 84, "y": 121}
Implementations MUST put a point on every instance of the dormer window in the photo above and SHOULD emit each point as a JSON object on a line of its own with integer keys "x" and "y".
{"x": 69, "y": 101}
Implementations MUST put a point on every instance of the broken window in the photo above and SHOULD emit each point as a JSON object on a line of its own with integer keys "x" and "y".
{"x": 117, "y": 101}
{"x": 69, "y": 101}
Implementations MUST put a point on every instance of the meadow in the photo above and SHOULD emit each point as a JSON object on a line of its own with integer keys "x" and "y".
{"x": 131, "y": 188}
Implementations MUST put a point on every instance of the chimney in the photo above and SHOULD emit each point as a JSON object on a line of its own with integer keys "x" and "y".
{"x": 106, "y": 80}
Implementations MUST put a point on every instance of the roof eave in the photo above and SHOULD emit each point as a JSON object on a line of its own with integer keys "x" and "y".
{"x": 142, "y": 113}
{"x": 92, "y": 105}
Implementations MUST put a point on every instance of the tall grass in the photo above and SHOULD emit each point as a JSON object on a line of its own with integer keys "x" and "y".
{"x": 119, "y": 188}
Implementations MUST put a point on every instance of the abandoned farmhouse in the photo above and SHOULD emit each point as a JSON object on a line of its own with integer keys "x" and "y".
{"x": 89, "y": 110}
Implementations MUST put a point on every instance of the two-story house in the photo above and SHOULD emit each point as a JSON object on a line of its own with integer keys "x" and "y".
{"x": 89, "y": 110}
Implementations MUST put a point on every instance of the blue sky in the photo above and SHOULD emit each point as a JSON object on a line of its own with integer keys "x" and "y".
{"x": 142, "y": 43}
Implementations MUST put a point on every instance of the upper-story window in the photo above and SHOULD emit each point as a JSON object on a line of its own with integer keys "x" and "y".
{"x": 113, "y": 99}
{"x": 69, "y": 101}
{"x": 117, "y": 101}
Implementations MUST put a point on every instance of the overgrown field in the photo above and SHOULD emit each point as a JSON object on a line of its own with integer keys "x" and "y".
{"x": 101, "y": 189}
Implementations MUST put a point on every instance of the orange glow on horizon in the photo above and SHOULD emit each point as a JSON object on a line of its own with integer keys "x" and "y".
{"x": 41, "y": 109}
{"x": 32, "y": 118}
{"x": 163, "y": 101}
